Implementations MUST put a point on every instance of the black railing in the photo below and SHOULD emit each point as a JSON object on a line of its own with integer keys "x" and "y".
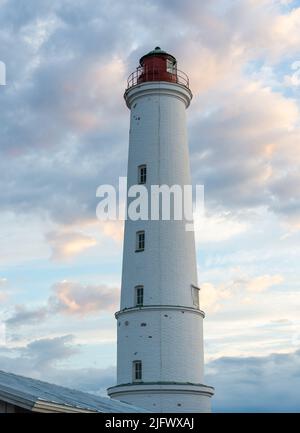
{"x": 143, "y": 74}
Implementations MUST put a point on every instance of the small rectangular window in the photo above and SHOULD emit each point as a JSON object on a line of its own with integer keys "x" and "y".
{"x": 195, "y": 295}
{"x": 137, "y": 370}
{"x": 140, "y": 241}
{"x": 142, "y": 174}
{"x": 139, "y": 295}
{"x": 171, "y": 66}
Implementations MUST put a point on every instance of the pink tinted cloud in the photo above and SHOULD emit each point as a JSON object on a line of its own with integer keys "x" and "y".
{"x": 74, "y": 298}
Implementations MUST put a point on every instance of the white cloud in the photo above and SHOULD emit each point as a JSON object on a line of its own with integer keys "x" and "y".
{"x": 217, "y": 228}
{"x": 256, "y": 384}
{"x": 113, "y": 229}
{"x": 68, "y": 298}
{"x": 213, "y": 298}
{"x": 3, "y": 293}
{"x": 294, "y": 78}
{"x": 66, "y": 244}
{"x": 263, "y": 282}
{"x": 74, "y": 298}
{"x": 17, "y": 232}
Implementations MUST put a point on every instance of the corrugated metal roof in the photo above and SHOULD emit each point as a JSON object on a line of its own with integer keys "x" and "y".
{"x": 26, "y": 392}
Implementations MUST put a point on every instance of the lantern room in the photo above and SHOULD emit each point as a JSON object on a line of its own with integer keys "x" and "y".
{"x": 158, "y": 65}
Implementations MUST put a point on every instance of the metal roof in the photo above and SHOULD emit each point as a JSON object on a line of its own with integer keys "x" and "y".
{"x": 156, "y": 52}
{"x": 38, "y": 396}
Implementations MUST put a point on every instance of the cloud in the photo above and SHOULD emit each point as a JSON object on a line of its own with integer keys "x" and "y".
{"x": 48, "y": 351}
{"x": 23, "y": 315}
{"x": 211, "y": 297}
{"x": 254, "y": 134}
{"x": 66, "y": 244}
{"x": 64, "y": 99}
{"x": 217, "y": 228}
{"x": 17, "y": 232}
{"x": 41, "y": 359}
{"x": 263, "y": 282}
{"x": 240, "y": 286}
{"x": 242, "y": 384}
{"x": 294, "y": 78}
{"x": 68, "y": 298}
{"x": 286, "y": 196}
{"x": 3, "y": 297}
{"x": 56, "y": 121}
{"x": 3, "y": 293}
{"x": 114, "y": 230}
{"x": 37, "y": 356}
{"x": 256, "y": 384}
{"x": 94, "y": 380}
{"x": 72, "y": 298}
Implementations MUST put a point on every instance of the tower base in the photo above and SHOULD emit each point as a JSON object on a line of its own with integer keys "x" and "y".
{"x": 165, "y": 396}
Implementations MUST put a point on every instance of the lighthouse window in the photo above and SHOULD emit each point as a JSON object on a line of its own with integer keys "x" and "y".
{"x": 195, "y": 295}
{"x": 142, "y": 174}
{"x": 140, "y": 241}
{"x": 171, "y": 67}
{"x": 137, "y": 370}
{"x": 139, "y": 295}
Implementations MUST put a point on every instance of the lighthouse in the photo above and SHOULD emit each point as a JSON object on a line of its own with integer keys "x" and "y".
{"x": 160, "y": 323}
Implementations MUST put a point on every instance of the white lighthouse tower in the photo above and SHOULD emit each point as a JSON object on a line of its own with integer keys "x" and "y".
{"x": 160, "y": 334}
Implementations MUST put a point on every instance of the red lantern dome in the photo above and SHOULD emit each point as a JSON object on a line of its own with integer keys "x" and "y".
{"x": 158, "y": 65}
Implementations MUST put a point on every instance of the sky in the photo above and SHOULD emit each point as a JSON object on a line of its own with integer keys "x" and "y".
{"x": 64, "y": 131}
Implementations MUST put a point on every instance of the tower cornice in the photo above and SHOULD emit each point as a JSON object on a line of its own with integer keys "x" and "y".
{"x": 171, "y": 389}
{"x": 158, "y": 87}
{"x": 159, "y": 307}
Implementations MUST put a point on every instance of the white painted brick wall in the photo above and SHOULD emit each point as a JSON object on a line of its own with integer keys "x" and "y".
{"x": 173, "y": 353}
{"x": 179, "y": 402}
{"x": 167, "y": 267}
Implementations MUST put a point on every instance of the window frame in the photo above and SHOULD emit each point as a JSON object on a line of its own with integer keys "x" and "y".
{"x": 171, "y": 66}
{"x": 139, "y": 295}
{"x": 142, "y": 174}
{"x": 140, "y": 244}
{"x": 195, "y": 295}
{"x": 137, "y": 370}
